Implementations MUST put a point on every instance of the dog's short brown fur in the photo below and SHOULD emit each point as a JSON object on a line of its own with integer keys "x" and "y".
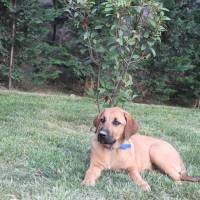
{"x": 146, "y": 153}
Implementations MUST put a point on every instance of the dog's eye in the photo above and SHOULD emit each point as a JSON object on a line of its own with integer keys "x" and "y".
{"x": 116, "y": 123}
{"x": 103, "y": 120}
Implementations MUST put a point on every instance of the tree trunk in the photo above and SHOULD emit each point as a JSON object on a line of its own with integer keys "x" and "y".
{"x": 54, "y": 23}
{"x": 12, "y": 47}
{"x": 54, "y": 32}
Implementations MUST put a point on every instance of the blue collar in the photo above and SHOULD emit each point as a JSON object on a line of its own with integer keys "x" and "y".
{"x": 125, "y": 146}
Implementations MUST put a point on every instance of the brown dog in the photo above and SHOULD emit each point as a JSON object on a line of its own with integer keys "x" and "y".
{"x": 116, "y": 147}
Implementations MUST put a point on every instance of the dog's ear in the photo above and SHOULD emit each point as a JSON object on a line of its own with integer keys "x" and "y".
{"x": 96, "y": 121}
{"x": 131, "y": 126}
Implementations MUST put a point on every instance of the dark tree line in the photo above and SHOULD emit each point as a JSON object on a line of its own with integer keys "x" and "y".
{"x": 45, "y": 43}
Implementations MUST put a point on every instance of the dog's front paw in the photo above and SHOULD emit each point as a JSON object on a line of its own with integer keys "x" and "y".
{"x": 88, "y": 182}
{"x": 146, "y": 187}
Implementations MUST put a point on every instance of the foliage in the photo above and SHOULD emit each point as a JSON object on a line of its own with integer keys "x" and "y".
{"x": 174, "y": 75}
{"x": 38, "y": 59}
{"x": 119, "y": 34}
{"x": 107, "y": 43}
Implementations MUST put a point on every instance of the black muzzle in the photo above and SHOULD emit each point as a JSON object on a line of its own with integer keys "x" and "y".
{"x": 104, "y": 137}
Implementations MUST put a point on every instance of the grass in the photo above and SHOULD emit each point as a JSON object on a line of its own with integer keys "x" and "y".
{"x": 45, "y": 142}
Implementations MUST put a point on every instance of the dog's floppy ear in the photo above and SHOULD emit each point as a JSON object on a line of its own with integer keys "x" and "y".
{"x": 96, "y": 121}
{"x": 131, "y": 126}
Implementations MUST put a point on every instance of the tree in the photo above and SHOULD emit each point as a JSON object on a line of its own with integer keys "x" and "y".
{"x": 118, "y": 35}
{"x": 14, "y": 6}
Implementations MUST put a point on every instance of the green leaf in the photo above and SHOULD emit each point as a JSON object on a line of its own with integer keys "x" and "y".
{"x": 120, "y": 41}
{"x": 153, "y": 23}
{"x": 165, "y": 9}
{"x": 120, "y": 33}
{"x": 143, "y": 47}
{"x": 94, "y": 10}
{"x": 131, "y": 41}
{"x": 101, "y": 90}
{"x": 100, "y": 50}
{"x": 162, "y": 28}
{"x": 135, "y": 56}
{"x": 138, "y": 8}
{"x": 98, "y": 27}
{"x": 86, "y": 35}
{"x": 113, "y": 27}
{"x": 134, "y": 96}
{"x": 153, "y": 52}
{"x": 166, "y": 18}
{"x": 108, "y": 9}
{"x": 146, "y": 34}
{"x": 150, "y": 43}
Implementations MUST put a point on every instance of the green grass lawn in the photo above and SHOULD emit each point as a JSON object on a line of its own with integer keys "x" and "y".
{"x": 45, "y": 142}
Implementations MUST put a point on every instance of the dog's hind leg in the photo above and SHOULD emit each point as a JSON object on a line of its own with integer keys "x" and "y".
{"x": 167, "y": 160}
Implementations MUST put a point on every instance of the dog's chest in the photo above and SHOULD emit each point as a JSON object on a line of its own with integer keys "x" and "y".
{"x": 119, "y": 159}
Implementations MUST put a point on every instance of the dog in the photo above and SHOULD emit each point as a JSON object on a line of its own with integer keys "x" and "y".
{"x": 116, "y": 146}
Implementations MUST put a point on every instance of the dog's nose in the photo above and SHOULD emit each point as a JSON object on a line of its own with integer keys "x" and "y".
{"x": 103, "y": 133}
{"x": 104, "y": 137}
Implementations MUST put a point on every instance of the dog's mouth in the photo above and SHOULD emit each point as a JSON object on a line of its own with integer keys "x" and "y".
{"x": 109, "y": 142}
{"x": 105, "y": 138}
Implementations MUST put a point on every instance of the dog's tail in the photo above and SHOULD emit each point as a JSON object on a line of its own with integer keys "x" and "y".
{"x": 185, "y": 177}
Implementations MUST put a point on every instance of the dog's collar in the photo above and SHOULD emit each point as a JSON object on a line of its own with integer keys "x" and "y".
{"x": 125, "y": 146}
{"x": 122, "y": 146}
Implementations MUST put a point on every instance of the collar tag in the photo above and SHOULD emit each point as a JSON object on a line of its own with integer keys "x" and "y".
{"x": 125, "y": 146}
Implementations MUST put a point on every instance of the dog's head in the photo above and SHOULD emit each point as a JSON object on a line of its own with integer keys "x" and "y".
{"x": 114, "y": 124}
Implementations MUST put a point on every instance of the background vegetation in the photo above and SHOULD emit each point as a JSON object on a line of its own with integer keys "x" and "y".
{"x": 103, "y": 47}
